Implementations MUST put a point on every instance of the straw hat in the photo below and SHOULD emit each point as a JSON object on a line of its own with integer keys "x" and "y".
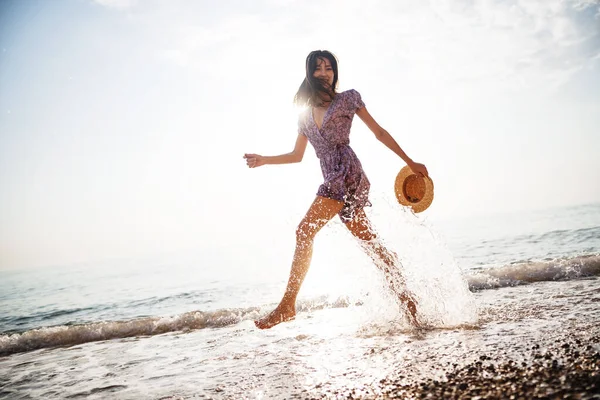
{"x": 413, "y": 190}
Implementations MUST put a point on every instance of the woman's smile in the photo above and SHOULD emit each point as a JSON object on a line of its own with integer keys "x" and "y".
{"x": 324, "y": 71}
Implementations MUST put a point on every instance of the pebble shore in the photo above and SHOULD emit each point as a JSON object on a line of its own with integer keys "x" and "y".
{"x": 566, "y": 369}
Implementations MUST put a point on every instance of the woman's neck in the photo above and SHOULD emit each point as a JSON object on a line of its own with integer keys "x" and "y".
{"x": 324, "y": 99}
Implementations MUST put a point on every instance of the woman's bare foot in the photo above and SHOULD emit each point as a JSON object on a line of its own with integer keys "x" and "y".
{"x": 275, "y": 317}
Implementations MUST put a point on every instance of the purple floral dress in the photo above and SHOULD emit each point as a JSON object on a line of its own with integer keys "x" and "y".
{"x": 344, "y": 177}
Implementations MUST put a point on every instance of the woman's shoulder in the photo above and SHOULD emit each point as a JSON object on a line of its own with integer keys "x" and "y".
{"x": 349, "y": 93}
{"x": 352, "y": 98}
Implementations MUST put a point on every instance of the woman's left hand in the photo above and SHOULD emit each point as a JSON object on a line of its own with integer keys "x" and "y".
{"x": 419, "y": 169}
{"x": 254, "y": 160}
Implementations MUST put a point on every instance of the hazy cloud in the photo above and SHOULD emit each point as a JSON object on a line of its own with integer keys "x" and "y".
{"x": 522, "y": 42}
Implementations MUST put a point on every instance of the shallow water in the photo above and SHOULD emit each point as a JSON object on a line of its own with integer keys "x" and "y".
{"x": 325, "y": 350}
{"x": 161, "y": 328}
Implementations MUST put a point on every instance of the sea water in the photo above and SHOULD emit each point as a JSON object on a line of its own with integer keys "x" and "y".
{"x": 181, "y": 326}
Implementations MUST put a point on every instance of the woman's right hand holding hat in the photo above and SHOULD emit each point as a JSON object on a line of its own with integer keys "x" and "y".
{"x": 418, "y": 169}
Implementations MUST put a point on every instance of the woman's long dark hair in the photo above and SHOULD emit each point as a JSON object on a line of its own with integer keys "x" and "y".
{"x": 314, "y": 91}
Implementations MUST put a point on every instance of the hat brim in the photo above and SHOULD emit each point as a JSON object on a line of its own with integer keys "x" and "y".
{"x": 417, "y": 206}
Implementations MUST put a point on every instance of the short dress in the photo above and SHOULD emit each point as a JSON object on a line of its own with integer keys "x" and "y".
{"x": 344, "y": 177}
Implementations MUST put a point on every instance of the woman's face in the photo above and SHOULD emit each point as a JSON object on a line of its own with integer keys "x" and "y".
{"x": 324, "y": 70}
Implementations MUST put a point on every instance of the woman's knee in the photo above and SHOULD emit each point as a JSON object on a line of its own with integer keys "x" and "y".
{"x": 305, "y": 232}
{"x": 362, "y": 231}
{"x": 365, "y": 236}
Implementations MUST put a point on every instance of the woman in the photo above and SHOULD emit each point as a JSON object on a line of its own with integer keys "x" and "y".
{"x": 326, "y": 125}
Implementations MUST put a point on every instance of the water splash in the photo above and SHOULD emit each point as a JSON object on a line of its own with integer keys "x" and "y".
{"x": 426, "y": 265}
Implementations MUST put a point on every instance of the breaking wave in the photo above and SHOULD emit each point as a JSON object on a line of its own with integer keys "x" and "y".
{"x": 68, "y": 335}
{"x": 535, "y": 271}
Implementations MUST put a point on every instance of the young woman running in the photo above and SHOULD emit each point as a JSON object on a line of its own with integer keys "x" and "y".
{"x": 326, "y": 125}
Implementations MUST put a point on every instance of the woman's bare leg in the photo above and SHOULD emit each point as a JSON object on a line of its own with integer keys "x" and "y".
{"x": 384, "y": 259}
{"x": 320, "y": 212}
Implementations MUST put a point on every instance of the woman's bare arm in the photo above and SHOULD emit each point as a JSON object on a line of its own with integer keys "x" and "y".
{"x": 384, "y": 137}
{"x": 296, "y": 155}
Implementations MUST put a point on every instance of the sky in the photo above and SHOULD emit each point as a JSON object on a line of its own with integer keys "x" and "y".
{"x": 123, "y": 123}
